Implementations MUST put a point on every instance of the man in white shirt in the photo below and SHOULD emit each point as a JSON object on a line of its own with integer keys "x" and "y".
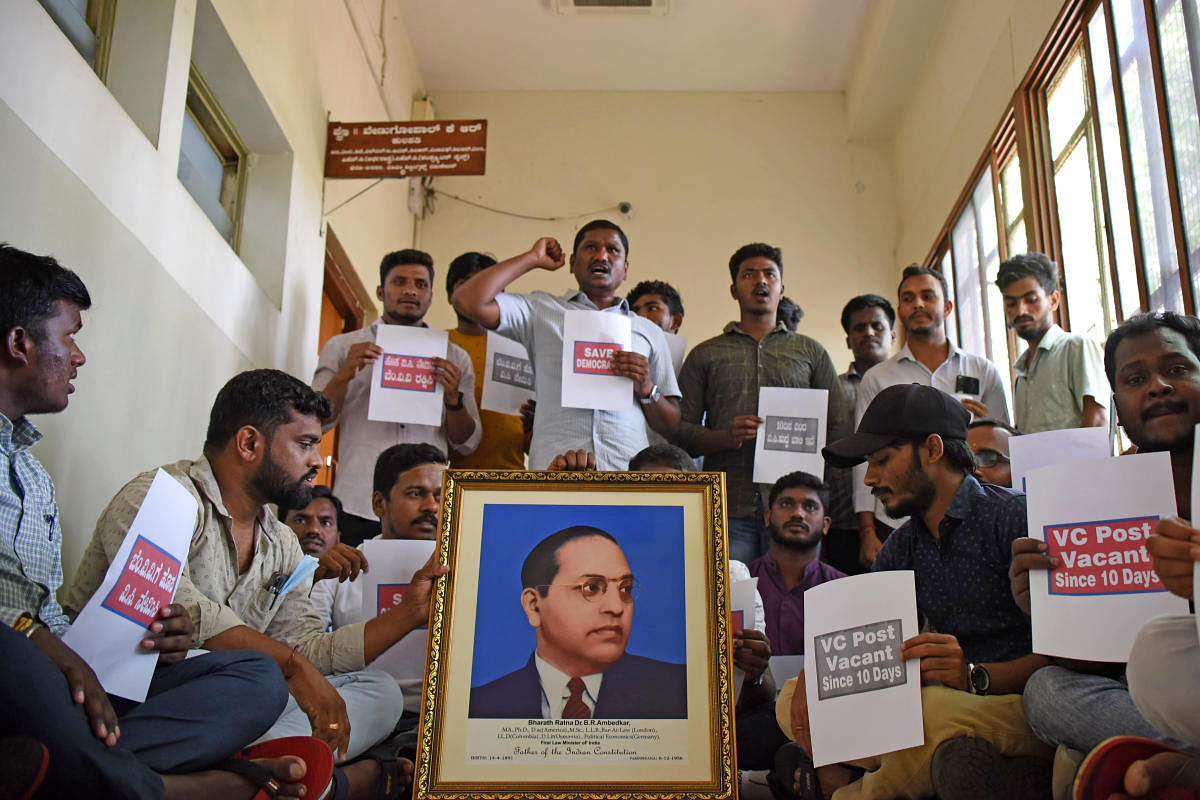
{"x": 407, "y": 497}
{"x": 928, "y": 357}
{"x": 344, "y": 376}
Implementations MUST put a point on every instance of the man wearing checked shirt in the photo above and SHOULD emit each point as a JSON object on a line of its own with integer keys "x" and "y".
{"x": 111, "y": 746}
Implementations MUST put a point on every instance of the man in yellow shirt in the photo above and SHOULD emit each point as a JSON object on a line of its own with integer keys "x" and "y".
{"x": 505, "y": 436}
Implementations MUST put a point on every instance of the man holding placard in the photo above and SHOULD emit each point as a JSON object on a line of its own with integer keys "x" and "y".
{"x": 957, "y": 541}
{"x": 96, "y": 742}
{"x": 722, "y": 379}
{"x": 407, "y": 499}
{"x": 344, "y": 375}
{"x": 505, "y": 436}
{"x": 581, "y": 329}
{"x": 245, "y": 586}
{"x": 1153, "y": 365}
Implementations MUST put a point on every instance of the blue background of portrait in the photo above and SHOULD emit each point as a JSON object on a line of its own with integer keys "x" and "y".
{"x": 652, "y": 538}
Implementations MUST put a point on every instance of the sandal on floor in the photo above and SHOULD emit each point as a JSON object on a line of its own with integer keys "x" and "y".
{"x": 1103, "y": 770}
{"x": 23, "y": 764}
{"x": 788, "y": 759}
{"x": 316, "y": 755}
{"x": 392, "y": 784}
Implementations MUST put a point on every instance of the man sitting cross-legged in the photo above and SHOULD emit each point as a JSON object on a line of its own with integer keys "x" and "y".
{"x": 1153, "y": 364}
{"x": 197, "y": 712}
{"x": 975, "y": 654}
{"x": 262, "y": 447}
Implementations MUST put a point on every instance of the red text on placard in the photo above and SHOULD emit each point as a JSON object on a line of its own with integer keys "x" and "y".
{"x": 414, "y": 373}
{"x": 1102, "y": 557}
{"x": 595, "y": 358}
{"x": 146, "y": 583}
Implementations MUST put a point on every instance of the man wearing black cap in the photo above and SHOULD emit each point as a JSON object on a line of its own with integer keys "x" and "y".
{"x": 975, "y": 654}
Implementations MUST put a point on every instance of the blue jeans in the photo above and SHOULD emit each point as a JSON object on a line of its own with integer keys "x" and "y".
{"x": 1079, "y": 710}
{"x": 197, "y": 712}
{"x": 744, "y": 538}
{"x": 373, "y": 705}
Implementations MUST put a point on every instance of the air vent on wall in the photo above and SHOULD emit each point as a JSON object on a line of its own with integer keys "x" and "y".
{"x": 657, "y": 8}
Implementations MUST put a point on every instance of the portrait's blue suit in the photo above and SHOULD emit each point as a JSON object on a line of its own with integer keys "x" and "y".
{"x": 634, "y": 687}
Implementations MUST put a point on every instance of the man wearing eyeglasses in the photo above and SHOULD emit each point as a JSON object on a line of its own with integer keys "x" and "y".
{"x": 578, "y": 595}
{"x": 988, "y": 440}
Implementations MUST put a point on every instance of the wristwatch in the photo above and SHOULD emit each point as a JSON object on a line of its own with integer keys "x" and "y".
{"x": 654, "y": 396}
{"x": 457, "y": 406}
{"x": 979, "y": 680}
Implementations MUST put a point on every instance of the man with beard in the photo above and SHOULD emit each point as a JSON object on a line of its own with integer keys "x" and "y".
{"x": 721, "y": 379}
{"x": 344, "y": 376}
{"x": 796, "y": 522}
{"x": 599, "y": 264}
{"x": 407, "y": 499}
{"x": 1153, "y": 364}
{"x": 262, "y": 447}
{"x": 1060, "y": 382}
{"x": 929, "y": 358}
{"x": 197, "y": 711}
{"x": 977, "y": 642}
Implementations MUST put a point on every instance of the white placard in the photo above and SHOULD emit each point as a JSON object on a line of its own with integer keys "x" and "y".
{"x": 793, "y": 434}
{"x": 741, "y": 604}
{"x": 1035, "y": 450}
{"x": 1095, "y": 517}
{"x": 853, "y": 629}
{"x": 677, "y": 345}
{"x": 507, "y": 375}
{"x": 393, "y": 562}
{"x": 403, "y": 388}
{"x": 141, "y": 578}
{"x": 589, "y": 340}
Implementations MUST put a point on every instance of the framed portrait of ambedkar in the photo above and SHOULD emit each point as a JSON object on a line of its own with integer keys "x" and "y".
{"x": 579, "y": 646}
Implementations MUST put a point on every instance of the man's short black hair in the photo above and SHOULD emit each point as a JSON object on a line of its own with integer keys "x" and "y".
{"x": 862, "y": 303}
{"x": 464, "y": 267}
{"x": 601, "y": 225}
{"x": 789, "y": 313}
{"x": 989, "y": 422}
{"x": 400, "y": 458}
{"x": 665, "y": 290}
{"x": 318, "y": 493}
{"x": 664, "y": 454}
{"x": 803, "y": 480}
{"x": 406, "y": 256}
{"x": 913, "y": 270}
{"x": 264, "y": 399}
{"x": 957, "y": 453}
{"x": 30, "y": 286}
{"x": 1028, "y": 265}
{"x": 1139, "y": 325}
{"x": 541, "y": 565}
{"x": 754, "y": 250}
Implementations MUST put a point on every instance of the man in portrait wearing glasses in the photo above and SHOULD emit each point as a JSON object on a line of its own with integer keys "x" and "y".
{"x": 988, "y": 440}
{"x": 578, "y": 595}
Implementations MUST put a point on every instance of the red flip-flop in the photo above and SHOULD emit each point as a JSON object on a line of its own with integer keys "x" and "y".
{"x": 1102, "y": 773}
{"x": 317, "y": 757}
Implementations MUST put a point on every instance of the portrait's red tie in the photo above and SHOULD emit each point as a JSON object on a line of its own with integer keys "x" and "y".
{"x": 575, "y": 707}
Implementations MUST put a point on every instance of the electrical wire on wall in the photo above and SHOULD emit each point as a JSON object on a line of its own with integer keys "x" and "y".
{"x": 429, "y": 206}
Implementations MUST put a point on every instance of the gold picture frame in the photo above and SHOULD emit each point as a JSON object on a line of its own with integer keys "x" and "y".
{"x": 480, "y": 737}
